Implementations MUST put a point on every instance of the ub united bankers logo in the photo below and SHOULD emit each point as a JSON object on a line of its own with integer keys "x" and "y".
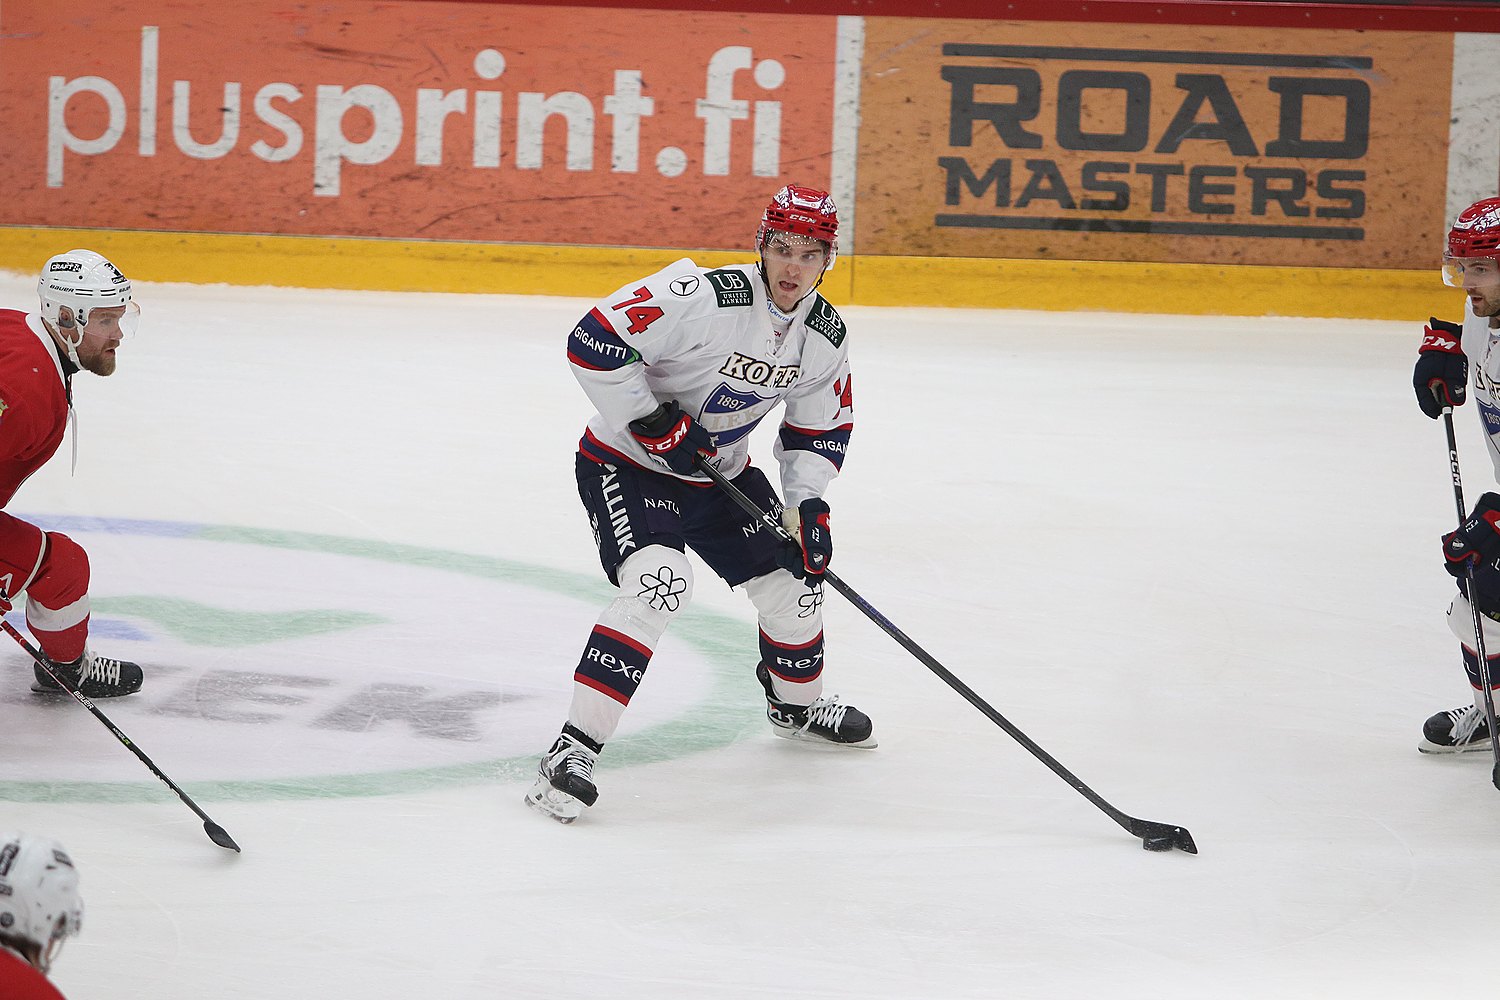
{"x": 731, "y": 288}
{"x": 826, "y": 320}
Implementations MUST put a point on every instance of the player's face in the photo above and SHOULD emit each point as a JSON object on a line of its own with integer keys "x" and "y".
{"x": 107, "y": 327}
{"x": 793, "y": 267}
{"x": 1479, "y": 277}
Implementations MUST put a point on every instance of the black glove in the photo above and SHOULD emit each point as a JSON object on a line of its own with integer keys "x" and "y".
{"x": 1442, "y": 374}
{"x": 1476, "y": 544}
{"x": 673, "y": 436}
{"x": 808, "y": 557}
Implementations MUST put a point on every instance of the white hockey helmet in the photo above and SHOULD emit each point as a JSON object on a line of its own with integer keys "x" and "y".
{"x": 39, "y": 902}
{"x": 83, "y": 281}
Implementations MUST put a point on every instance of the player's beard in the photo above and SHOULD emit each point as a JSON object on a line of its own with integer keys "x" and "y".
{"x": 102, "y": 363}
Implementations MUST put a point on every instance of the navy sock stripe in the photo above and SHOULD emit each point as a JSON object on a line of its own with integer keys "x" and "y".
{"x": 1471, "y": 666}
{"x": 612, "y": 664}
{"x": 799, "y": 664}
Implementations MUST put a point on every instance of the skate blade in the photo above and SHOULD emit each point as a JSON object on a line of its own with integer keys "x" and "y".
{"x": 555, "y": 804}
{"x": 1435, "y": 748}
{"x": 798, "y": 736}
{"x": 51, "y": 692}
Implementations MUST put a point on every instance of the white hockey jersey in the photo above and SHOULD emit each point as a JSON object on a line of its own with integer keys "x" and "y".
{"x": 705, "y": 339}
{"x": 1482, "y": 346}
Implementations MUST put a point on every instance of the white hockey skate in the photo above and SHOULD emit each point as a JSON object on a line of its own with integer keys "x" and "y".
{"x": 565, "y": 778}
{"x": 825, "y": 721}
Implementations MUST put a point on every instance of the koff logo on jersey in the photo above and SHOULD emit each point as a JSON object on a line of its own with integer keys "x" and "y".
{"x": 758, "y": 372}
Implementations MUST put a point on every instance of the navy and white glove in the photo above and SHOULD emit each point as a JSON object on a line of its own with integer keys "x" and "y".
{"x": 1442, "y": 374}
{"x": 807, "y": 558}
{"x": 1476, "y": 545}
{"x": 674, "y": 437}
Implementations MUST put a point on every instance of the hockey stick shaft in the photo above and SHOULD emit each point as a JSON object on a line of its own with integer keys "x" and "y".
{"x": 215, "y": 832}
{"x": 1148, "y": 830}
{"x": 1473, "y": 599}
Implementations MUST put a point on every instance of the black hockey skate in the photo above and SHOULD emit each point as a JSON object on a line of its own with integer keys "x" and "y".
{"x": 1460, "y": 731}
{"x": 826, "y": 720}
{"x": 93, "y": 676}
{"x": 565, "y": 778}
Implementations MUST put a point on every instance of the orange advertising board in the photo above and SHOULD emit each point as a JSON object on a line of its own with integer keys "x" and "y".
{"x": 440, "y": 121}
{"x": 1152, "y": 143}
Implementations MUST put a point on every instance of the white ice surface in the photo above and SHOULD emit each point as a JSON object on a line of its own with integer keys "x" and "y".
{"x": 1195, "y": 559}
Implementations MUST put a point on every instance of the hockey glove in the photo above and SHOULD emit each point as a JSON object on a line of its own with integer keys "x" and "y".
{"x": 672, "y": 436}
{"x": 808, "y": 557}
{"x": 1442, "y": 374}
{"x": 1476, "y": 543}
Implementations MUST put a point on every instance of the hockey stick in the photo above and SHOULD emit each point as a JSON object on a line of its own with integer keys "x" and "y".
{"x": 215, "y": 832}
{"x": 1473, "y": 598}
{"x": 1154, "y": 836}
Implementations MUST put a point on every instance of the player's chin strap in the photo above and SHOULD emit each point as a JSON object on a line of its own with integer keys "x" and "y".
{"x": 72, "y": 346}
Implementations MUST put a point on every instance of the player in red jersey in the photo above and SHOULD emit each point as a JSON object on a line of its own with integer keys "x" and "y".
{"x": 86, "y": 310}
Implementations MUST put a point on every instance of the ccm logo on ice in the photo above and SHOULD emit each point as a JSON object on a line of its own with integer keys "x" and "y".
{"x": 425, "y": 121}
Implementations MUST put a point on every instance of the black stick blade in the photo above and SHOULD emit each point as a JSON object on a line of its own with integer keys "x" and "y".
{"x": 1163, "y": 836}
{"x": 220, "y": 836}
{"x": 1495, "y": 775}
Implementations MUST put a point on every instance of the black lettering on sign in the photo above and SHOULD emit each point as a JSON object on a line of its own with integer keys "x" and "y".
{"x": 1209, "y": 141}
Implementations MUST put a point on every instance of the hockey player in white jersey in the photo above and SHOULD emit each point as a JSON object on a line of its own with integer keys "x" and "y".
{"x": 681, "y": 366}
{"x": 1471, "y": 261}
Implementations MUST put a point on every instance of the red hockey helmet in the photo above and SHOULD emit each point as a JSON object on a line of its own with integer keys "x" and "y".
{"x": 1475, "y": 234}
{"x": 801, "y": 211}
{"x": 1476, "y": 231}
